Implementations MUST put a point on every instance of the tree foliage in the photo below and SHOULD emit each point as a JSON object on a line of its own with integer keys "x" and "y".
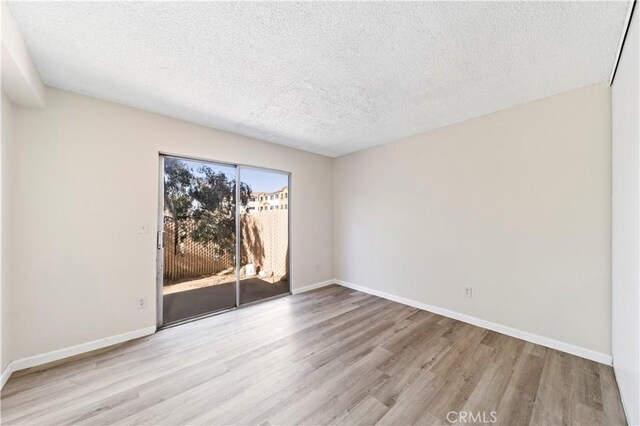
{"x": 178, "y": 178}
{"x": 206, "y": 197}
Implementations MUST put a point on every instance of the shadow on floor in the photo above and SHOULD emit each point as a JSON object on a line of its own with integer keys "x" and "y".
{"x": 186, "y": 304}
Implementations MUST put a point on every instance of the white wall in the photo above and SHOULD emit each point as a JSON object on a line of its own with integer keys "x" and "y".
{"x": 20, "y": 79}
{"x": 626, "y": 224}
{"x": 21, "y": 85}
{"x": 5, "y": 233}
{"x": 85, "y": 176}
{"x": 516, "y": 204}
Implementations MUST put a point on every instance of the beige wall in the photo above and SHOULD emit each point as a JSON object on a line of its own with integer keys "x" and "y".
{"x": 626, "y": 223}
{"x": 5, "y": 233}
{"x": 516, "y": 204}
{"x": 86, "y": 173}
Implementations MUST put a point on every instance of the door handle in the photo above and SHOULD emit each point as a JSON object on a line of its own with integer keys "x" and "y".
{"x": 160, "y": 240}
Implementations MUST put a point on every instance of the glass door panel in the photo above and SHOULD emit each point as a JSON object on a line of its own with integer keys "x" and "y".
{"x": 199, "y": 247}
{"x": 264, "y": 234}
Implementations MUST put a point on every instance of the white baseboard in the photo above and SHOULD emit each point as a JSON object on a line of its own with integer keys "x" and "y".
{"x": 519, "y": 334}
{"x": 6, "y": 373}
{"x": 32, "y": 361}
{"x": 21, "y": 364}
{"x": 312, "y": 286}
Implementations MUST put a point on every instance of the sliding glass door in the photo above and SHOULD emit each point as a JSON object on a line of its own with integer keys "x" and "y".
{"x": 199, "y": 230}
{"x": 224, "y": 237}
{"x": 264, "y": 235}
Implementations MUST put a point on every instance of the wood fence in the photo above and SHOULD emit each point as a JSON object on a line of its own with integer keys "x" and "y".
{"x": 265, "y": 243}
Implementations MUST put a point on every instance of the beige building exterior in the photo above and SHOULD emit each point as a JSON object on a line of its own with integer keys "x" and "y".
{"x": 264, "y": 201}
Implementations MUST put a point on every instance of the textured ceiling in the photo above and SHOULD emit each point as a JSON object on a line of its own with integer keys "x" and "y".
{"x": 330, "y": 78}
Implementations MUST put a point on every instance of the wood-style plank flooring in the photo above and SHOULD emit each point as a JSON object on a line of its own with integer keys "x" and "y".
{"x": 331, "y": 356}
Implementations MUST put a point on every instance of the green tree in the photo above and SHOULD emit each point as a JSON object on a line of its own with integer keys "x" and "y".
{"x": 178, "y": 180}
{"x": 207, "y": 197}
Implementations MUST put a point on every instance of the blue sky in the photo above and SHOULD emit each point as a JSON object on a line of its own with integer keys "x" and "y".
{"x": 258, "y": 180}
{"x": 263, "y": 181}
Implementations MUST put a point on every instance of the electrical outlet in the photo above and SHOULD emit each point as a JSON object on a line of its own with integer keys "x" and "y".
{"x": 141, "y": 303}
{"x": 468, "y": 292}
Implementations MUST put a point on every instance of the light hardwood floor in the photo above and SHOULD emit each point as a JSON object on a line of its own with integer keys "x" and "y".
{"x": 329, "y": 356}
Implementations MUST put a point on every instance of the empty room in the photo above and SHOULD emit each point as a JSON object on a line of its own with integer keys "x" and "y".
{"x": 320, "y": 212}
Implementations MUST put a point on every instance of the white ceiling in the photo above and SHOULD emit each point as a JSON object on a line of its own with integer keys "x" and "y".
{"x": 330, "y": 78}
